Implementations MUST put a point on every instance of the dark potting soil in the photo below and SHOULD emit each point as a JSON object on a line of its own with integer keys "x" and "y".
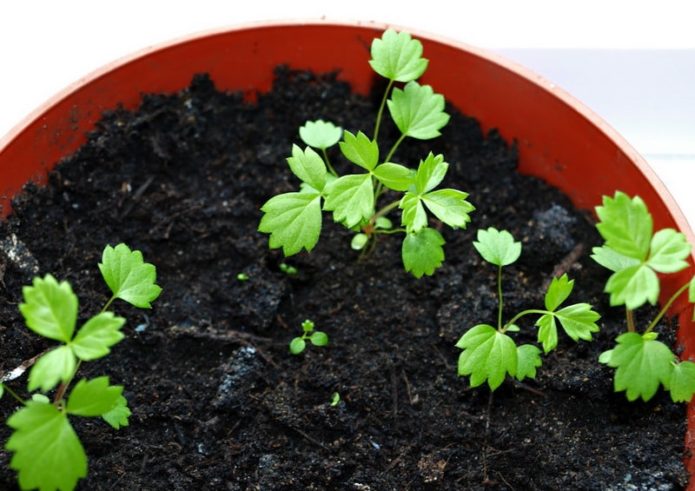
{"x": 218, "y": 403}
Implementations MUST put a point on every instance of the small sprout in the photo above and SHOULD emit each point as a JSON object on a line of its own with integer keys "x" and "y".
{"x": 335, "y": 399}
{"x": 50, "y": 310}
{"x": 489, "y": 353}
{"x": 317, "y": 338}
{"x": 242, "y": 277}
{"x": 635, "y": 254}
{"x": 294, "y": 220}
{"x": 288, "y": 269}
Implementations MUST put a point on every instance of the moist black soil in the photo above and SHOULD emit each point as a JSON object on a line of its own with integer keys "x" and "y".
{"x": 217, "y": 400}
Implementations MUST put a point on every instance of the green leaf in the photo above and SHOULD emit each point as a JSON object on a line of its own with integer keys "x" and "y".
{"x": 430, "y": 173}
{"x": 414, "y": 216}
{"x": 547, "y": 332}
{"x": 633, "y": 287}
{"x": 383, "y": 223}
{"x": 394, "y": 176}
{"x": 319, "y": 338}
{"x": 417, "y": 111}
{"x": 47, "y": 453}
{"x": 94, "y": 397}
{"x": 682, "y": 383}
{"x": 128, "y": 276}
{"x": 360, "y": 150}
{"x": 2, "y": 390}
{"x": 297, "y": 345}
{"x": 610, "y": 259}
{"x": 293, "y": 221}
{"x": 641, "y": 365}
{"x": 487, "y": 355}
{"x": 497, "y": 247}
{"x": 605, "y": 357}
{"x": 309, "y": 167}
{"x": 578, "y": 321}
{"x": 96, "y": 337}
{"x": 397, "y": 56}
{"x": 691, "y": 293}
{"x": 55, "y": 366}
{"x": 422, "y": 252}
{"x": 320, "y": 134}
{"x": 558, "y": 291}
{"x": 307, "y": 325}
{"x": 625, "y": 225}
{"x": 450, "y": 206}
{"x": 351, "y": 199}
{"x": 50, "y": 308}
{"x": 528, "y": 359}
{"x": 118, "y": 415}
{"x": 359, "y": 241}
{"x": 668, "y": 251}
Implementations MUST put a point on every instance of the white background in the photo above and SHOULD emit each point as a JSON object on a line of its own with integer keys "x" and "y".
{"x": 633, "y": 62}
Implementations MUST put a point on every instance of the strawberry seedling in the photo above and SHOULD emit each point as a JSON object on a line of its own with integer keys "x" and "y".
{"x": 294, "y": 220}
{"x": 317, "y": 338}
{"x": 490, "y": 353}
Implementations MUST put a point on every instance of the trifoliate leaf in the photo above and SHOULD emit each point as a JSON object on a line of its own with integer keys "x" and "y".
{"x": 417, "y": 111}
{"x": 309, "y": 167}
{"x": 118, "y": 415}
{"x": 633, "y": 287}
{"x": 360, "y": 150}
{"x": 128, "y": 276}
{"x": 487, "y": 355}
{"x": 397, "y": 56}
{"x": 58, "y": 365}
{"x": 394, "y": 176}
{"x": 414, "y": 216}
{"x": 497, "y": 247}
{"x": 96, "y": 337}
{"x": 610, "y": 259}
{"x": 558, "y": 291}
{"x": 668, "y": 251}
{"x": 430, "y": 173}
{"x": 450, "y": 206}
{"x": 319, "y": 338}
{"x": 578, "y": 321}
{"x": 625, "y": 225}
{"x": 93, "y": 397}
{"x": 422, "y": 252}
{"x": 320, "y": 134}
{"x": 307, "y": 325}
{"x": 293, "y": 221}
{"x": 547, "y": 332}
{"x": 641, "y": 365}
{"x": 47, "y": 453}
{"x": 351, "y": 199}
{"x": 50, "y": 308}
{"x": 528, "y": 358}
{"x": 297, "y": 345}
{"x": 682, "y": 383}
{"x": 359, "y": 241}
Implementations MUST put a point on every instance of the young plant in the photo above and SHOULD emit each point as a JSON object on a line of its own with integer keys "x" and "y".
{"x": 317, "y": 338}
{"x": 635, "y": 254}
{"x": 489, "y": 353}
{"x": 294, "y": 220}
{"x": 47, "y": 452}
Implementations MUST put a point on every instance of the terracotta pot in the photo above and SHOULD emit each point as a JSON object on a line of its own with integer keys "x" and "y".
{"x": 559, "y": 139}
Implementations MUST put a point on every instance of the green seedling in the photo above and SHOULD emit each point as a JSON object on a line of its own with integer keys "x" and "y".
{"x": 361, "y": 201}
{"x": 335, "y": 399}
{"x": 317, "y": 338}
{"x": 635, "y": 254}
{"x": 242, "y": 277}
{"x": 288, "y": 269}
{"x": 490, "y": 353}
{"x": 47, "y": 452}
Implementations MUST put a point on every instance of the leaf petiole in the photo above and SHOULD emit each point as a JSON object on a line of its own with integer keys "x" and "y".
{"x": 13, "y": 394}
{"x": 522, "y": 314}
{"x": 394, "y": 147}
{"x": 381, "y": 109}
{"x": 328, "y": 162}
{"x": 667, "y": 306}
{"x": 630, "y": 316}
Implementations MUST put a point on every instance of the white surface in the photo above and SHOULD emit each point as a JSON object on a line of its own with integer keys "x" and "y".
{"x": 44, "y": 46}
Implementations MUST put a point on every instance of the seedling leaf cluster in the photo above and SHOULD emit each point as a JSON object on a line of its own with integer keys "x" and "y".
{"x": 356, "y": 200}
{"x": 490, "y": 353}
{"x": 634, "y": 253}
{"x": 47, "y": 453}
